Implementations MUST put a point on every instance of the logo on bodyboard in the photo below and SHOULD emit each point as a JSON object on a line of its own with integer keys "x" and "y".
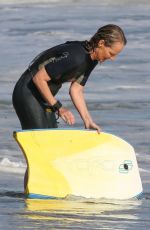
{"x": 126, "y": 166}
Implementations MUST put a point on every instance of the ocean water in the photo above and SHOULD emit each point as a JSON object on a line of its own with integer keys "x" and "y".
{"x": 117, "y": 94}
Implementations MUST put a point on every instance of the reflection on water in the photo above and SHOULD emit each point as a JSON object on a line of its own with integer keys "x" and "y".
{"x": 86, "y": 213}
{"x": 73, "y": 213}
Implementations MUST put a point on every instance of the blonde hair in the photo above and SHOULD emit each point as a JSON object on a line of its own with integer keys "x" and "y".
{"x": 109, "y": 33}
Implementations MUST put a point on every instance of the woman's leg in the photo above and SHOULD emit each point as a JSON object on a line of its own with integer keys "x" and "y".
{"x": 31, "y": 112}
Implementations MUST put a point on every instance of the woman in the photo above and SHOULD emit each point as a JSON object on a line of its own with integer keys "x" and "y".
{"x": 34, "y": 94}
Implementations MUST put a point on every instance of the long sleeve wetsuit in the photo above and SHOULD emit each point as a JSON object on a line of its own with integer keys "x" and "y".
{"x": 70, "y": 61}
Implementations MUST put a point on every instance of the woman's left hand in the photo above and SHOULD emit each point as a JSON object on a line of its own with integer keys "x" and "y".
{"x": 93, "y": 125}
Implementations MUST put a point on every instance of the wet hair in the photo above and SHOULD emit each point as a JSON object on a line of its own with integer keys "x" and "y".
{"x": 109, "y": 33}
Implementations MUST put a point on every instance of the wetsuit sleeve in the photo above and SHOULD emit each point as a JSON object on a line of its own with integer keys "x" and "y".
{"x": 55, "y": 69}
{"x": 61, "y": 68}
{"x": 82, "y": 79}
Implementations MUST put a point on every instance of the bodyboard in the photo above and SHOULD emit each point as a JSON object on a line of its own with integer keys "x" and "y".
{"x": 79, "y": 162}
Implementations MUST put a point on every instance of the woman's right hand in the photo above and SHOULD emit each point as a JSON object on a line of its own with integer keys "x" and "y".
{"x": 67, "y": 116}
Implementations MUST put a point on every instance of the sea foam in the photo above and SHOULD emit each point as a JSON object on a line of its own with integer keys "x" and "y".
{"x": 6, "y": 165}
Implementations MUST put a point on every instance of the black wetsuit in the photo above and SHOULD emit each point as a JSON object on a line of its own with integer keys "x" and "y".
{"x": 66, "y": 62}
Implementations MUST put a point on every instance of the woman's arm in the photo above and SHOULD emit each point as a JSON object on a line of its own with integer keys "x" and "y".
{"x": 76, "y": 93}
{"x": 40, "y": 80}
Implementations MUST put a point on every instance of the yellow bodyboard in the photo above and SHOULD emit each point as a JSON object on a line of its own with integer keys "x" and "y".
{"x": 79, "y": 162}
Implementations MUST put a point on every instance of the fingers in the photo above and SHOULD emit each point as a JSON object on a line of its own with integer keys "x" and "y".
{"x": 67, "y": 116}
{"x": 92, "y": 125}
{"x": 98, "y": 129}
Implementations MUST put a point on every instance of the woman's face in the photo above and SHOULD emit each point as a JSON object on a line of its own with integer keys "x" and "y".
{"x": 103, "y": 53}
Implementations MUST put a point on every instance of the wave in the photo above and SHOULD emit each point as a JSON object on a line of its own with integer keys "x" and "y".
{"x": 130, "y": 87}
{"x": 113, "y": 105}
{"x": 28, "y": 1}
{"x": 103, "y": 2}
{"x": 6, "y": 165}
{"x": 102, "y": 201}
{"x": 54, "y": 33}
{"x": 12, "y": 194}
